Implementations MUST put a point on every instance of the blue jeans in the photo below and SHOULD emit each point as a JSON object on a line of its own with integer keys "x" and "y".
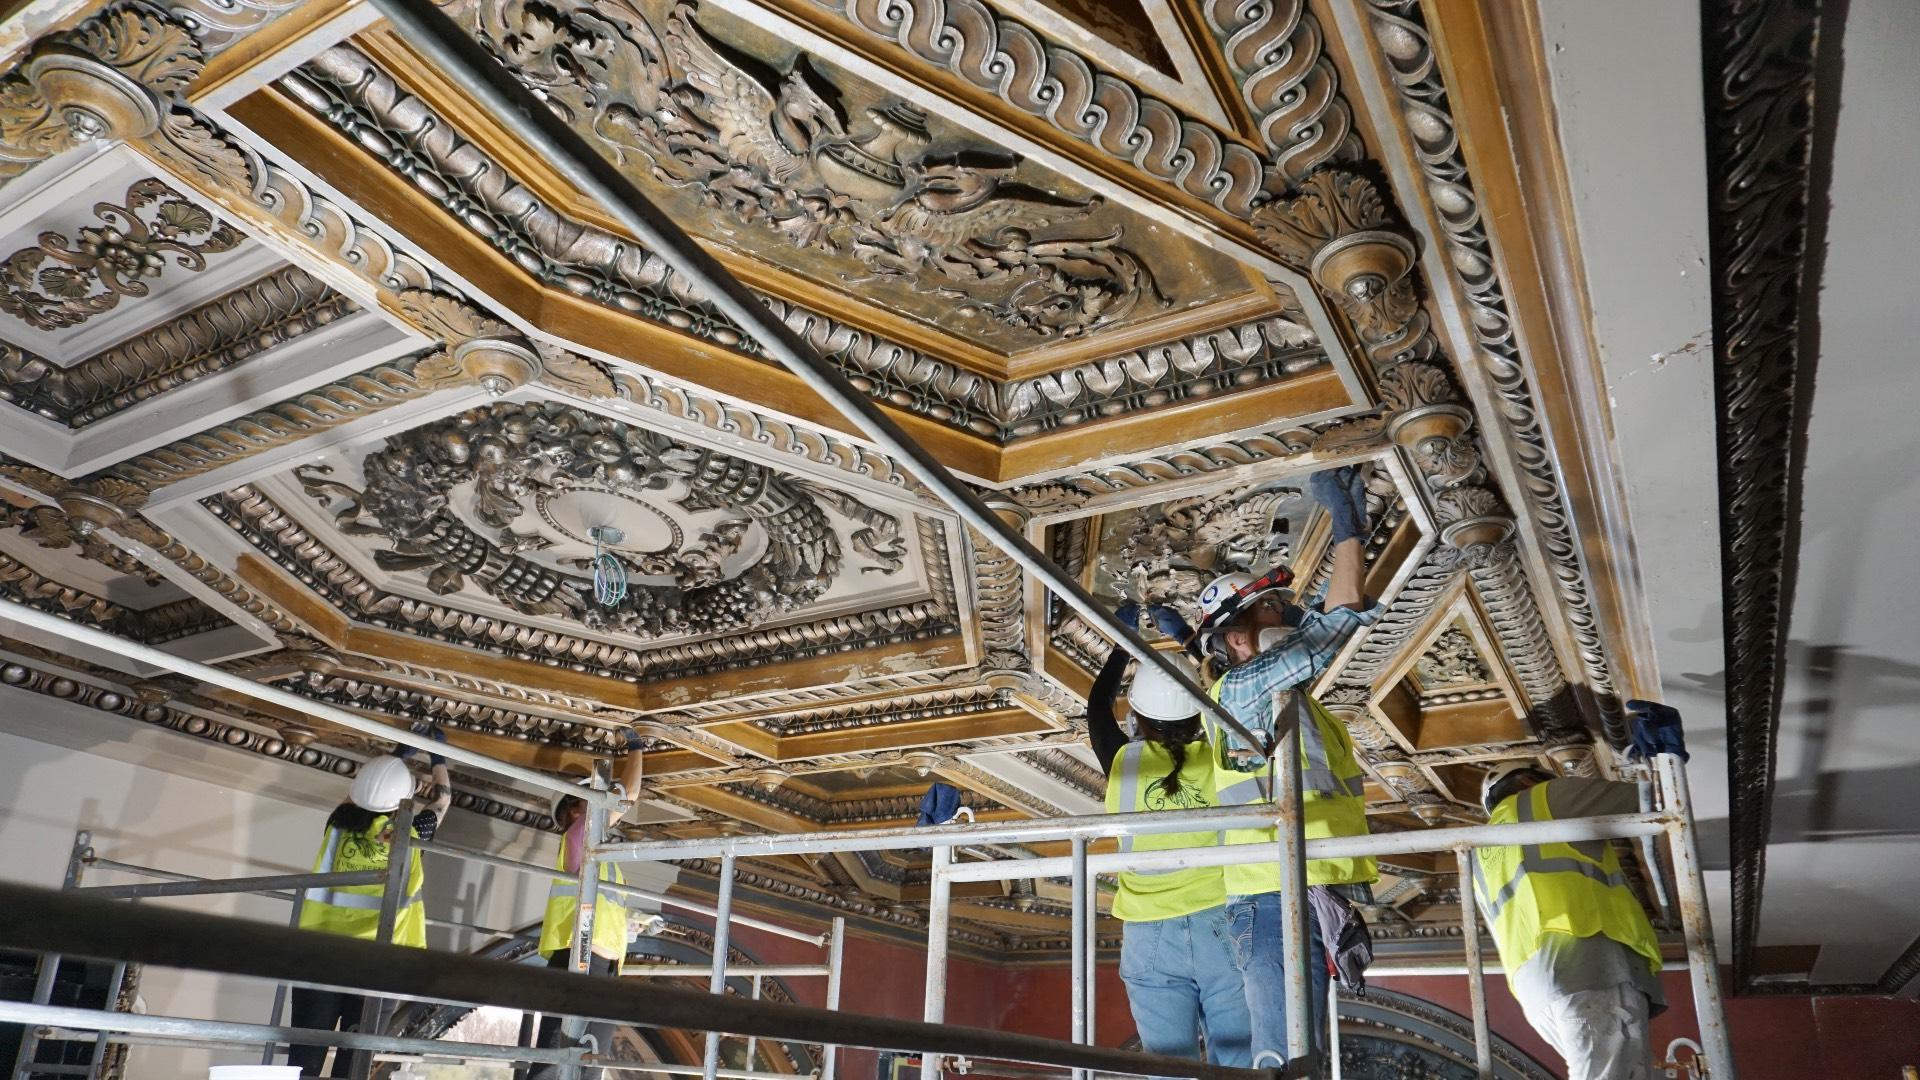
{"x": 1260, "y": 955}
{"x": 1181, "y": 980}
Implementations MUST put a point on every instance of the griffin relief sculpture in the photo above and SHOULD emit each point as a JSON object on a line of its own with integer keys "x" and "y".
{"x": 778, "y": 150}
{"x": 482, "y": 497}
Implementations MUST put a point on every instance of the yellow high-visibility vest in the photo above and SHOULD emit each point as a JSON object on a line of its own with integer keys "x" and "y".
{"x": 1333, "y": 798}
{"x": 1134, "y": 786}
{"x": 1539, "y": 889}
{"x": 354, "y": 910}
{"x": 563, "y": 908}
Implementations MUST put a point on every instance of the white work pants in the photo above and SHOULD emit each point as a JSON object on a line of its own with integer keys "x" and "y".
{"x": 1601, "y": 1033}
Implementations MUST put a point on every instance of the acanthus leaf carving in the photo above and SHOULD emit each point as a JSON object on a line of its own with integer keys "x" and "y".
{"x": 105, "y": 80}
{"x": 1337, "y": 230}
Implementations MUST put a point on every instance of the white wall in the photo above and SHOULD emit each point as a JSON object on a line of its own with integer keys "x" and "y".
{"x": 264, "y": 817}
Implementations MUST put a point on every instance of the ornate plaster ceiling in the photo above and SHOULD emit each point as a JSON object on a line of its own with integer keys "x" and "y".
{"x": 1136, "y": 273}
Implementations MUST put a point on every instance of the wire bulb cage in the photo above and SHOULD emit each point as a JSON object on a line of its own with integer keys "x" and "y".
{"x": 609, "y": 573}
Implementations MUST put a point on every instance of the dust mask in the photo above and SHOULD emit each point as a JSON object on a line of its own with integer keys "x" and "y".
{"x": 1272, "y": 637}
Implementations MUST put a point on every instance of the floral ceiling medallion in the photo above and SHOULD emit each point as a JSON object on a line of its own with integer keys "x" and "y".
{"x": 131, "y": 246}
{"x": 519, "y": 500}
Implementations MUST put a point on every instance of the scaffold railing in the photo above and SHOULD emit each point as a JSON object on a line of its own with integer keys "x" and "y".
{"x": 1672, "y": 820}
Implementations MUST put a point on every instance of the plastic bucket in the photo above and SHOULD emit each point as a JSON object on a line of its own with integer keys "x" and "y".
{"x": 254, "y": 1072}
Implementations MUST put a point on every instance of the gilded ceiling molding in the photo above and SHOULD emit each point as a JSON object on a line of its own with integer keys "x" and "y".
{"x": 214, "y": 337}
{"x": 1082, "y": 491}
{"x": 340, "y": 402}
{"x": 351, "y": 92}
{"x": 1009, "y": 794}
{"x": 1069, "y": 770}
{"x": 1400, "y": 30}
{"x": 1009, "y": 61}
{"x": 1401, "y": 622}
{"x": 105, "y": 80}
{"x": 151, "y": 707}
{"x": 1276, "y": 51}
{"x": 1760, "y": 74}
{"x": 412, "y": 705}
{"x": 1501, "y": 584}
{"x": 1338, "y": 230}
{"x": 958, "y": 701}
{"x": 263, "y": 524}
{"x": 77, "y": 510}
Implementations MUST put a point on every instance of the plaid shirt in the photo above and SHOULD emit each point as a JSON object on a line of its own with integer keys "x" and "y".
{"x": 1247, "y": 689}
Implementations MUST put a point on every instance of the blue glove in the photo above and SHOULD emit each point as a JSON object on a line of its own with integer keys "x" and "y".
{"x": 1128, "y": 613}
{"x": 631, "y": 738}
{"x": 1344, "y": 495}
{"x": 1656, "y": 729}
{"x": 1170, "y": 623}
{"x": 431, "y": 731}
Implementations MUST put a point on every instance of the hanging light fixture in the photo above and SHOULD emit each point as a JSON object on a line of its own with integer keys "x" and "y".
{"x": 609, "y": 573}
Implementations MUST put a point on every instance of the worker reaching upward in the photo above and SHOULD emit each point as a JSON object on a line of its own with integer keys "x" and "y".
{"x": 1270, "y": 645}
{"x": 359, "y": 836}
{"x": 1176, "y": 958}
{"x": 609, "y": 945}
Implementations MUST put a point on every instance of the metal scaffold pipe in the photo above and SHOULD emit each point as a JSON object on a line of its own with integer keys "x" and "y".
{"x": 441, "y": 41}
{"x": 50, "y": 920}
{"x": 273, "y": 695}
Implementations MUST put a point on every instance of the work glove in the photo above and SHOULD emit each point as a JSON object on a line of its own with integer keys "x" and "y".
{"x": 1169, "y": 622}
{"x": 1656, "y": 730}
{"x": 631, "y": 739}
{"x": 431, "y": 731}
{"x": 1343, "y": 492}
{"x": 1128, "y": 614}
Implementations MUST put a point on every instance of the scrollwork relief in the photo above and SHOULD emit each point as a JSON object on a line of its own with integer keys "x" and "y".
{"x": 135, "y": 241}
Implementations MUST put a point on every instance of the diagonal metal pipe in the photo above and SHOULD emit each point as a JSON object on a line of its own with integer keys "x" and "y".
{"x": 459, "y": 57}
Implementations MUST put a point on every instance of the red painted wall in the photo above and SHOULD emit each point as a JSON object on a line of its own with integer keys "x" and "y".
{"x": 1775, "y": 1038}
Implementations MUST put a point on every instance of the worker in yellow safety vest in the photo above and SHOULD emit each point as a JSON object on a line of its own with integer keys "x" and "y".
{"x": 1271, "y": 650}
{"x": 1176, "y": 956}
{"x": 609, "y": 945}
{"x": 1580, "y": 955}
{"x": 359, "y": 836}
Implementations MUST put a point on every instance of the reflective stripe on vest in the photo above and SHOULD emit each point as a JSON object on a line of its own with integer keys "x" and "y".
{"x": 563, "y": 913}
{"x": 1576, "y": 889}
{"x": 1130, "y": 760}
{"x": 1132, "y": 786}
{"x": 1533, "y": 861}
{"x": 354, "y": 910}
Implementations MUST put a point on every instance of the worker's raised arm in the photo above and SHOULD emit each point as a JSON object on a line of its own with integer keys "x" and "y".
{"x": 440, "y": 794}
{"x": 628, "y": 775}
{"x": 1343, "y": 492}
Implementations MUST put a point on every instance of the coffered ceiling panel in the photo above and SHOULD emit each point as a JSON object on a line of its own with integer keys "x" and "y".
{"x": 312, "y": 369}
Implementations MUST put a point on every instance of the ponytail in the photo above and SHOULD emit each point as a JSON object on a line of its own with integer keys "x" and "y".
{"x": 1170, "y": 783}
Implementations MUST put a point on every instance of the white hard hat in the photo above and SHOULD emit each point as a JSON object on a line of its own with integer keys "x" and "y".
{"x": 1155, "y": 696}
{"x": 1229, "y": 594}
{"x": 1499, "y": 773}
{"x": 380, "y": 785}
{"x": 1219, "y": 591}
